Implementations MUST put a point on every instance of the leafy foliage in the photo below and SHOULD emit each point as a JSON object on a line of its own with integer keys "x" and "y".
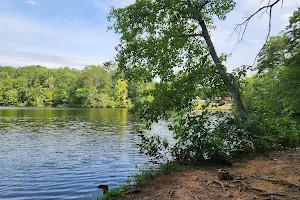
{"x": 94, "y": 86}
{"x": 162, "y": 40}
{"x": 216, "y": 138}
{"x": 276, "y": 87}
{"x": 273, "y": 54}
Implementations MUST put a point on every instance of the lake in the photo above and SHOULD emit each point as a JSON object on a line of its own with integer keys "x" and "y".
{"x": 63, "y": 153}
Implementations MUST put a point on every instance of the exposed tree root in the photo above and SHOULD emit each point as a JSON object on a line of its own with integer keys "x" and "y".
{"x": 170, "y": 193}
{"x": 282, "y": 182}
{"x": 255, "y": 189}
{"x": 273, "y": 194}
{"x": 271, "y": 198}
{"x": 191, "y": 194}
{"x": 220, "y": 183}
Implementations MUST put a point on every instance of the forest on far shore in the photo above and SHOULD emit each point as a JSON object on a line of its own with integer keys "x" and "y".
{"x": 91, "y": 87}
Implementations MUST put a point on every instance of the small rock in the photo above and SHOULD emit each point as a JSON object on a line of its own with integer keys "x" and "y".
{"x": 104, "y": 187}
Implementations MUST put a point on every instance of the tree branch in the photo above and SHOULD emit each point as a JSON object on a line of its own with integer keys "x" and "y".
{"x": 191, "y": 35}
{"x": 231, "y": 84}
{"x": 202, "y": 5}
{"x": 241, "y": 28}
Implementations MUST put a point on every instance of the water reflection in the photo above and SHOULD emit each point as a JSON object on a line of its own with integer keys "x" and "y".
{"x": 65, "y": 153}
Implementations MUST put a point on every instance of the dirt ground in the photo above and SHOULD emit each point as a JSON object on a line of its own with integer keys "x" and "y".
{"x": 270, "y": 177}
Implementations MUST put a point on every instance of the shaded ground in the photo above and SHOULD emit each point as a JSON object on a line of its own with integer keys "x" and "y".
{"x": 254, "y": 179}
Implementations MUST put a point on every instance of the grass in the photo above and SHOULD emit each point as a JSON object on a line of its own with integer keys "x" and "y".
{"x": 115, "y": 192}
{"x": 143, "y": 179}
{"x": 112, "y": 193}
{"x": 147, "y": 175}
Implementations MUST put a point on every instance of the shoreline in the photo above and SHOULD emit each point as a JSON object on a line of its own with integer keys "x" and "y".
{"x": 274, "y": 175}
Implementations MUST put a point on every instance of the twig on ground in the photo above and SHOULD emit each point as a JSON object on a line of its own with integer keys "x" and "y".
{"x": 220, "y": 183}
{"x": 255, "y": 189}
{"x": 191, "y": 194}
{"x": 271, "y": 198}
{"x": 171, "y": 193}
{"x": 241, "y": 177}
{"x": 179, "y": 186}
{"x": 243, "y": 186}
{"x": 273, "y": 194}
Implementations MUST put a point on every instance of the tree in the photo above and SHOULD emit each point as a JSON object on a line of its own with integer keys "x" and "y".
{"x": 94, "y": 86}
{"x": 11, "y": 97}
{"x": 293, "y": 31}
{"x": 121, "y": 93}
{"x": 276, "y": 86}
{"x": 273, "y": 54}
{"x": 165, "y": 39}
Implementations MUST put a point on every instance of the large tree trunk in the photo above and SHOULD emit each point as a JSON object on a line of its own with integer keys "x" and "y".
{"x": 230, "y": 83}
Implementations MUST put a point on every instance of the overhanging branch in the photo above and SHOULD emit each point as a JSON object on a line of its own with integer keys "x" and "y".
{"x": 241, "y": 28}
{"x": 191, "y": 35}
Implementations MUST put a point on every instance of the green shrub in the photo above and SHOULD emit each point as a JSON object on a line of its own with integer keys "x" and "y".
{"x": 270, "y": 132}
{"x": 215, "y": 137}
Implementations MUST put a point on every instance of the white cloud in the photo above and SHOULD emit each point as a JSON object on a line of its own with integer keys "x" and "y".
{"x": 75, "y": 42}
{"x": 72, "y": 43}
{"x": 31, "y": 2}
{"x": 23, "y": 58}
{"x": 106, "y": 5}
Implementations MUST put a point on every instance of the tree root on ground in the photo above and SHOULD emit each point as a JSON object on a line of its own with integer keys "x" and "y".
{"x": 220, "y": 183}
{"x": 170, "y": 193}
{"x": 282, "y": 182}
{"x": 191, "y": 194}
{"x": 273, "y": 194}
{"x": 241, "y": 185}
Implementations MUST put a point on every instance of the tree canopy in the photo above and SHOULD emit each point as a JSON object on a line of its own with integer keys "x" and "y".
{"x": 276, "y": 87}
{"x": 170, "y": 41}
{"x": 94, "y": 86}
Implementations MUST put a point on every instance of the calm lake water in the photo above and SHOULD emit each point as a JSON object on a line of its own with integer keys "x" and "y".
{"x": 65, "y": 153}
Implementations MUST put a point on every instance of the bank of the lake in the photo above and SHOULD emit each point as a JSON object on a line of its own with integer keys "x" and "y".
{"x": 64, "y": 153}
{"x": 270, "y": 176}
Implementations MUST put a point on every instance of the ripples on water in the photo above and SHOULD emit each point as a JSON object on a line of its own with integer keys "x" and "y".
{"x": 66, "y": 153}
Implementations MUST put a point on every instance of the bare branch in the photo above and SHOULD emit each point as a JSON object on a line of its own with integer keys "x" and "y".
{"x": 241, "y": 28}
{"x": 268, "y": 35}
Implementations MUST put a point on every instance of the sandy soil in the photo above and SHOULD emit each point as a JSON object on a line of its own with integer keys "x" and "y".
{"x": 254, "y": 180}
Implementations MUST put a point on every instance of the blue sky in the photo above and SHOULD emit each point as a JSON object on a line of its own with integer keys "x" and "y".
{"x": 73, "y": 33}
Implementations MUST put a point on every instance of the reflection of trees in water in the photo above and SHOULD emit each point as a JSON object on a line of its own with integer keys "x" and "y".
{"x": 112, "y": 120}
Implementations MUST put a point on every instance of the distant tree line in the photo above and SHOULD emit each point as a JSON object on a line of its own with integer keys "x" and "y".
{"x": 276, "y": 86}
{"x": 93, "y": 87}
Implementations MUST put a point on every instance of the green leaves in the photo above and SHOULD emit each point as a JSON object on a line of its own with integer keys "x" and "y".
{"x": 273, "y": 54}
{"x": 94, "y": 86}
{"x": 276, "y": 87}
{"x": 161, "y": 41}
